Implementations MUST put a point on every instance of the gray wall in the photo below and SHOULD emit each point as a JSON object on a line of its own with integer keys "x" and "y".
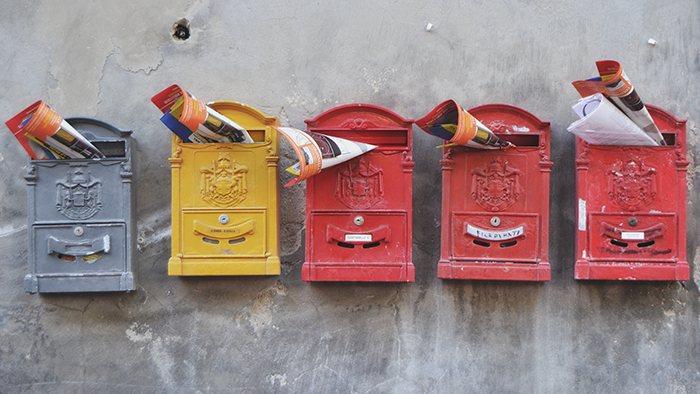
{"x": 294, "y": 60}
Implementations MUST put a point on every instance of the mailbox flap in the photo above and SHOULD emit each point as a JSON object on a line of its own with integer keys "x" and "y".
{"x": 79, "y": 248}
{"x": 498, "y": 237}
{"x": 224, "y": 233}
{"x": 634, "y": 237}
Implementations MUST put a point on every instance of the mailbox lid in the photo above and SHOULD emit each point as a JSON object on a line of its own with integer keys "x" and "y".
{"x": 224, "y": 233}
{"x": 79, "y": 248}
{"x": 514, "y": 239}
{"x": 80, "y": 190}
{"x": 381, "y": 237}
{"x": 375, "y": 180}
{"x": 230, "y": 175}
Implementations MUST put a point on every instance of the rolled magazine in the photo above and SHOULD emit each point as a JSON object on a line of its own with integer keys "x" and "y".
{"x": 193, "y": 121}
{"x": 318, "y": 151}
{"x": 452, "y": 123}
{"x": 46, "y": 135}
{"x": 614, "y": 84}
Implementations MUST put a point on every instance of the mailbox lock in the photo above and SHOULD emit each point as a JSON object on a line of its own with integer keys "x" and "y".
{"x": 78, "y": 231}
{"x": 358, "y": 220}
{"x": 223, "y": 219}
{"x": 495, "y": 221}
{"x": 632, "y": 221}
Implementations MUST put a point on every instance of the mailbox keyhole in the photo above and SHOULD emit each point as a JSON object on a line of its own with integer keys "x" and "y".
{"x": 481, "y": 243}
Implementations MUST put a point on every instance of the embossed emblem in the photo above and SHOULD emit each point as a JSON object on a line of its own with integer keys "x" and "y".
{"x": 78, "y": 195}
{"x": 631, "y": 184}
{"x": 359, "y": 184}
{"x": 495, "y": 185}
{"x": 223, "y": 183}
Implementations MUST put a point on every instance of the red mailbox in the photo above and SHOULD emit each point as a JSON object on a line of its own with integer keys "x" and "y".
{"x": 495, "y": 203}
{"x": 631, "y": 207}
{"x": 358, "y": 213}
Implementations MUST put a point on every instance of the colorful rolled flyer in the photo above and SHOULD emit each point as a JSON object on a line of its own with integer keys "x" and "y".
{"x": 317, "y": 151}
{"x": 193, "y": 121}
{"x": 46, "y": 135}
{"x": 452, "y": 123}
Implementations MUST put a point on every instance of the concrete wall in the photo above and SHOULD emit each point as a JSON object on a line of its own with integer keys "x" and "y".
{"x": 294, "y": 60}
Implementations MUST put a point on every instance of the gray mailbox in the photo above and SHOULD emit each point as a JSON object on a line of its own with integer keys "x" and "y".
{"x": 80, "y": 221}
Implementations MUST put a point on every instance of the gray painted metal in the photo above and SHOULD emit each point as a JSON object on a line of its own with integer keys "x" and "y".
{"x": 79, "y": 214}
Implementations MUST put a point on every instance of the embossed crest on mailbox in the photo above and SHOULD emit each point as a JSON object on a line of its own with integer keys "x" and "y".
{"x": 495, "y": 203}
{"x": 358, "y": 213}
{"x": 631, "y": 207}
{"x": 225, "y": 201}
{"x": 80, "y": 217}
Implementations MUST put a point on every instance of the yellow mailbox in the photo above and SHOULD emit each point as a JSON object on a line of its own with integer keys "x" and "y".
{"x": 225, "y": 201}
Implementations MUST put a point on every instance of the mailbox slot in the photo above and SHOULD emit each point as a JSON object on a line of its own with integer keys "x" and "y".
{"x": 631, "y": 207}
{"x": 225, "y": 213}
{"x": 495, "y": 203}
{"x": 358, "y": 213}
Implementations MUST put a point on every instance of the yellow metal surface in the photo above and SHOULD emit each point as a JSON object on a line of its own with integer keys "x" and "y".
{"x": 225, "y": 201}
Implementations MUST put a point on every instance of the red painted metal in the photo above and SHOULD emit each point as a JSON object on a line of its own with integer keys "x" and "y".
{"x": 359, "y": 213}
{"x": 631, "y": 207}
{"x": 495, "y": 203}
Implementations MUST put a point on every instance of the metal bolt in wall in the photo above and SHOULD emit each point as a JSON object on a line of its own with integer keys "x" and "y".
{"x": 181, "y": 29}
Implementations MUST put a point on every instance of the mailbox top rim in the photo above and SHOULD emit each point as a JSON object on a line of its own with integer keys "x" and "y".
{"x": 500, "y": 107}
{"x": 242, "y": 108}
{"x": 88, "y": 124}
{"x": 329, "y": 115}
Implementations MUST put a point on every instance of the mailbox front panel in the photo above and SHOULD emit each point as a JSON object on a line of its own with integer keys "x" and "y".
{"x": 476, "y": 238}
{"x": 80, "y": 248}
{"x": 358, "y": 213}
{"x": 631, "y": 208}
{"x": 225, "y": 218}
{"x": 224, "y": 233}
{"x": 496, "y": 202}
{"x": 362, "y": 237}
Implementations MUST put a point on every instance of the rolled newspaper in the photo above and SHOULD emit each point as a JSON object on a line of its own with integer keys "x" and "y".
{"x": 193, "y": 121}
{"x": 46, "y": 135}
{"x": 318, "y": 151}
{"x": 450, "y": 122}
{"x": 613, "y": 83}
{"x": 602, "y": 123}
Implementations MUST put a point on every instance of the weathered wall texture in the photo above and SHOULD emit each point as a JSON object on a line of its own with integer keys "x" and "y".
{"x": 294, "y": 60}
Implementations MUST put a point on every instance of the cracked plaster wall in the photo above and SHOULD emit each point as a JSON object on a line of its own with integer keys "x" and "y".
{"x": 295, "y": 60}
